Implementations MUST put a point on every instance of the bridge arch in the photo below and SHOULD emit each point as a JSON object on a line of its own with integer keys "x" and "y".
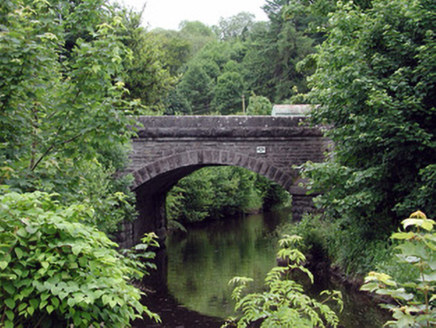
{"x": 173, "y": 168}
{"x": 168, "y": 148}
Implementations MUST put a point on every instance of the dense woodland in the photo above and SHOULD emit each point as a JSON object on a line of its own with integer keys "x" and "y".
{"x": 72, "y": 74}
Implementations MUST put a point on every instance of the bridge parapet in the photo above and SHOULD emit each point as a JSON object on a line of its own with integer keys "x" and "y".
{"x": 224, "y": 127}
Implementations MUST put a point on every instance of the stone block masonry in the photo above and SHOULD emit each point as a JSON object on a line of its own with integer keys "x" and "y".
{"x": 167, "y": 148}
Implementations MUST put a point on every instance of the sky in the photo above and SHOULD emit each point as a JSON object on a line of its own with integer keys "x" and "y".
{"x": 168, "y": 14}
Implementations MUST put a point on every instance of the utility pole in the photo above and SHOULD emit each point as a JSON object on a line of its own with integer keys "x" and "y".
{"x": 243, "y": 104}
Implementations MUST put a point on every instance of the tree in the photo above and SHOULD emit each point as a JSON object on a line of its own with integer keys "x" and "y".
{"x": 259, "y": 105}
{"x": 375, "y": 86}
{"x": 197, "y": 87}
{"x": 63, "y": 135}
{"x": 198, "y": 35}
{"x": 63, "y": 118}
{"x": 273, "y": 54}
{"x": 177, "y": 104}
{"x": 177, "y": 50}
{"x": 228, "y": 93}
{"x": 146, "y": 76}
{"x": 211, "y": 192}
{"x": 218, "y": 52}
{"x": 235, "y": 27}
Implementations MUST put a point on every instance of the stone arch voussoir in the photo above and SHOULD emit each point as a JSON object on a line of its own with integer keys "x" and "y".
{"x": 201, "y": 157}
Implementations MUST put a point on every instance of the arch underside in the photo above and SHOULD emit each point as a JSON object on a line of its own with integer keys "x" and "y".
{"x": 165, "y": 172}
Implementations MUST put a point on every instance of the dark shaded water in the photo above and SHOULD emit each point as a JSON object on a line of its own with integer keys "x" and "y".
{"x": 191, "y": 287}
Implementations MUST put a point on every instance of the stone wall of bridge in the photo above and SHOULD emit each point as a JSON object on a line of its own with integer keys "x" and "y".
{"x": 169, "y": 148}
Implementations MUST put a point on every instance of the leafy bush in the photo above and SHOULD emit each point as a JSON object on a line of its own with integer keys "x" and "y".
{"x": 284, "y": 304}
{"x": 56, "y": 271}
{"x": 342, "y": 243}
{"x": 415, "y": 298}
{"x": 259, "y": 105}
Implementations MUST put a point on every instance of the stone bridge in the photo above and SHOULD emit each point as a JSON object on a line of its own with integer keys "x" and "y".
{"x": 169, "y": 148}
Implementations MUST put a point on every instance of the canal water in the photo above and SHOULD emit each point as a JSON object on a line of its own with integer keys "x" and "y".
{"x": 190, "y": 288}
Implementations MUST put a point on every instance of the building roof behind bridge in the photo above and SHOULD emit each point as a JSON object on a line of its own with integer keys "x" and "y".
{"x": 291, "y": 110}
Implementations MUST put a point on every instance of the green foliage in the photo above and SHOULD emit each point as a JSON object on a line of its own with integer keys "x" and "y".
{"x": 284, "y": 304}
{"x": 259, "y": 105}
{"x": 415, "y": 297}
{"x": 314, "y": 233}
{"x": 242, "y": 55}
{"x": 56, "y": 271}
{"x": 145, "y": 76}
{"x": 354, "y": 249}
{"x": 235, "y": 27}
{"x": 197, "y": 87}
{"x": 374, "y": 86}
{"x": 98, "y": 189}
{"x": 228, "y": 93}
{"x": 271, "y": 194}
{"x": 63, "y": 111}
{"x": 177, "y": 104}
{"x": 216, "y": 192}
{"x": 210, "y": 193}
{"x": 272, "y": 54}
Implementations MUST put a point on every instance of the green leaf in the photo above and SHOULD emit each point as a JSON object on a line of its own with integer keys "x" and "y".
{"x": 62, "y": 295}
{"x": 10, "y": 303}
{"x": 22, "y": 232}
{"x": 77, "y": 319}
{"x": 43, "y": 304}
{"x": 34, "y": 303}
{"x": 9, "y": 287}
{"x": 430, "y": 277}
{"x": 3, "y": 265}
{"x": 432, "y": 265}
{"x": 31, "y": 229}
{"x": 30, "y": 310}
{"x": 19, "y": 252}
{"x": 55, "y": 302}
{"x": 71, "y": 302}
{"x": 403, "y": 235}
{"x": 10, "y": 315}
{"x": 77, "y": 249}
{"x": 49, "y": 309}
{"x": 423, "y": 223}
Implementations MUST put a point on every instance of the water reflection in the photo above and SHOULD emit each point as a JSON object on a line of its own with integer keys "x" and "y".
{"x": 191, "y": 288}
{"x": 202, "y": 263}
